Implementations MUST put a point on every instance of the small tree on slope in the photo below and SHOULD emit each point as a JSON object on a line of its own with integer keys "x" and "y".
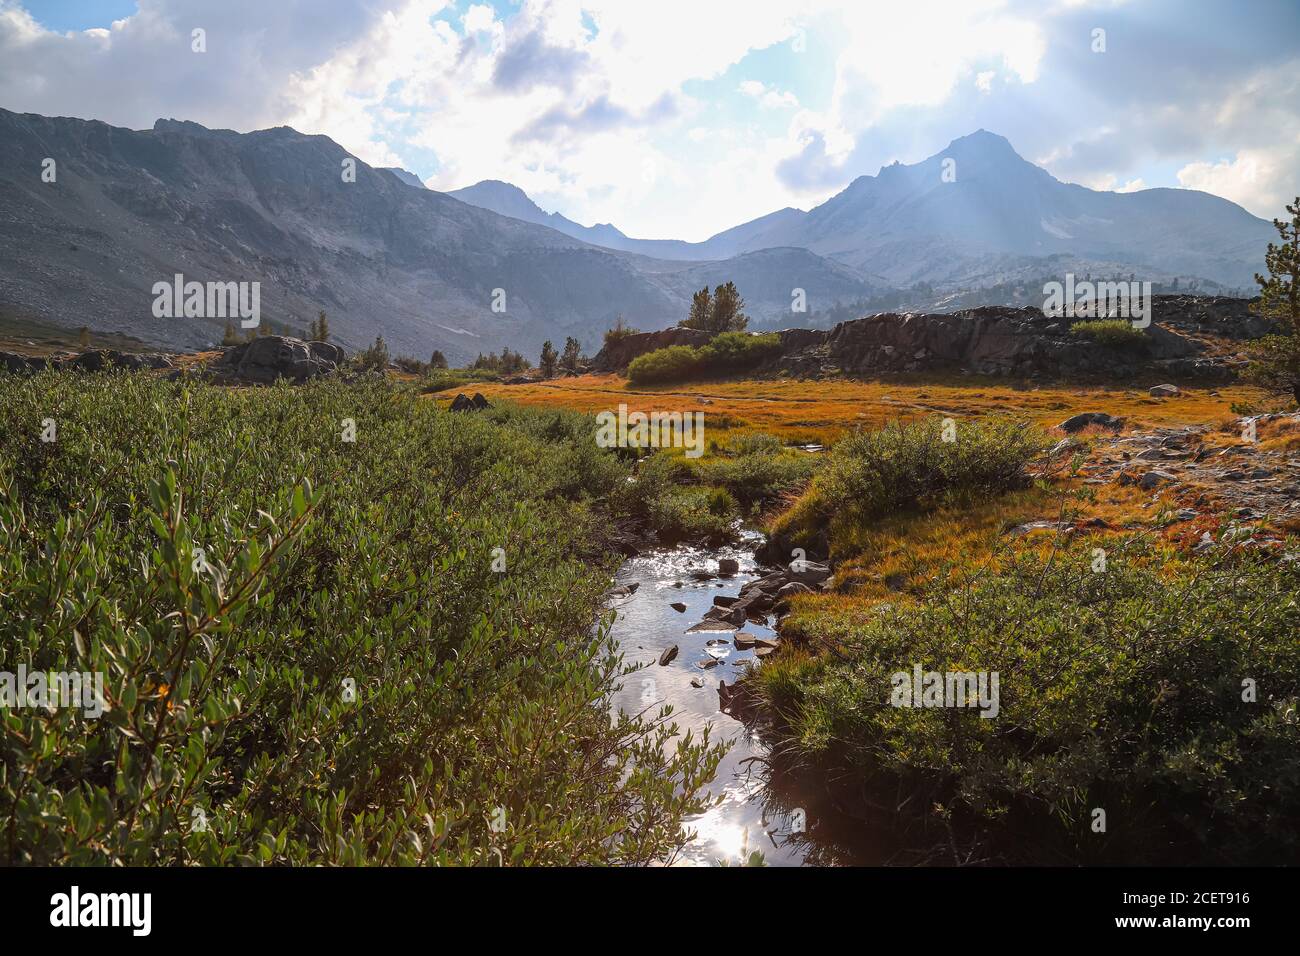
{"x": 1275, "y": 359}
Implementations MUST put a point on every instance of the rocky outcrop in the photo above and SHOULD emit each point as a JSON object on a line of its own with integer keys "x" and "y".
{"x": 1025, "y": 343}
{"x": 462, "y": 404}
{"x": 617, "y": 355}
{"x": 94, "y": 360}
{"x": 994, "y": 340}
{"x": 97, "y": 360}
{"x": 13, "y": 362}
{"x": 271, "y": 357}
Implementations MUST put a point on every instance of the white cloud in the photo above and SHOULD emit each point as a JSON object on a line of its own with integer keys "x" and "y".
{"x": 1258, "y": 179}
{"x": 480, "y": 18}
{"x": 605, "y": 109}
{"x": 769, "y": 97}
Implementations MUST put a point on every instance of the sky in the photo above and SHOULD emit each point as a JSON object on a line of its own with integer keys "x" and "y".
{"x": 680, "y": 118}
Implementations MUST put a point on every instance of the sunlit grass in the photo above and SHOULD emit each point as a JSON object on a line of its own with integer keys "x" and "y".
{"x": 801, "y": 410}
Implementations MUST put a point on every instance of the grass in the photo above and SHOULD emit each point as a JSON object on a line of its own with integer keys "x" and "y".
{"x": 904, "y": 467}
{"x": 442, "y": 379}
{"x": 707, "y": 498}
{"x": 798, "y": 411}
{"x": 308, "y": 643}
{"x": 1117, "y": 333}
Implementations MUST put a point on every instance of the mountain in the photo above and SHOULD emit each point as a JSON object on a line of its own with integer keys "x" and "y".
{"x": 509, "y": 200}
{"x": 1001, "y": 217}
{"x": 405, "y": 175}
{"x": 130, "y": 208}
{"x": 381, "y": 255}
{"x": 909, "y": 225}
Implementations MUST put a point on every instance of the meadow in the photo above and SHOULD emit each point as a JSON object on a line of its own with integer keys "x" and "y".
{"x": 1149, "y": 682}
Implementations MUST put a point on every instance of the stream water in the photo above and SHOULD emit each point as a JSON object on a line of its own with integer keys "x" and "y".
{"x": 751, "y": 814}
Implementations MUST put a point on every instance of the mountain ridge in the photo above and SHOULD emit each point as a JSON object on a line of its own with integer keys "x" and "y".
{"x": 901, "y": 227}
{"x": 129, "y": 208}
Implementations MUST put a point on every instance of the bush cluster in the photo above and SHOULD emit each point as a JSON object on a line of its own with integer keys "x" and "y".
{"x": 311, "y": 653}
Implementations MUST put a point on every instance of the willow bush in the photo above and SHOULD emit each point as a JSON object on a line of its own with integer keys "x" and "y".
{"x": 313, "y": 652}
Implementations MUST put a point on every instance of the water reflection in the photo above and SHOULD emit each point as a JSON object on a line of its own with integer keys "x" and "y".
{"x": 759, "y": 809}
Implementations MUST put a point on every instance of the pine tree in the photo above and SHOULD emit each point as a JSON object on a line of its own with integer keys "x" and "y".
{"x": 231, "y": 335}
{"x": 701, "y": 313}
{"x": 1275, "y": 359}
{"x": 728, "y": 309}
{"x": 437, "y": 360}
{"x": 548, "y": 359}
{"x": 572, "y": 351}
{"x": 723, "y": 312}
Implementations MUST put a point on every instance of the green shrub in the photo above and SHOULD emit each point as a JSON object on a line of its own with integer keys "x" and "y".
{"x": 1120, "y": 690}
{"x": 753, "y": 443}
{"x": 692, "y": 513}
{"x": 907, "y": 466}
{"x": 672, "y": 364}
{"x": 757, "y": 478}
{"x": 726, "y": 354}
{"x": 441, "y": 379}
{"x": 340, "y": 676}
{"x": 738, "y": 351}
{"x": 1117, "y": 333}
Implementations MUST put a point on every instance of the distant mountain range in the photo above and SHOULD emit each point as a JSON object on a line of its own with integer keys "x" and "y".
{"x": 944, "y": 220}
{"x": 382, "y": 255}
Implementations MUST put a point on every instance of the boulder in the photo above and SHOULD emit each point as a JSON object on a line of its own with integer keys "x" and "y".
{"x": 728, "y": 566}
{"x": 461, "y": 403}
{"x": 734, "y": 615}
{"x": 1077, "y": 423}
{"x": 1164, "y": 391}
{"x": 678, "y": 606}
{"x": 13, "y": 362}
{"x": 809, "y": 572}
{"x": 1154, "y": 479}
{"x": 793, "y": 588}
{"x": 327, "y": 352}
{"x": 667, "y": 656}
{"x": 271, "y": 357}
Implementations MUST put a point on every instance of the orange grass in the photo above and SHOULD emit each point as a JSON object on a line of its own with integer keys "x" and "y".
{"x": 823, "y": 410}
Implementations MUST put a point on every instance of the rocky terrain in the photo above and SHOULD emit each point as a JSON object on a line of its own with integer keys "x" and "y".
{"x": 259, "y": 362}
{"x": 1197, "y": 475}
{"x": 1190, "y": 338}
